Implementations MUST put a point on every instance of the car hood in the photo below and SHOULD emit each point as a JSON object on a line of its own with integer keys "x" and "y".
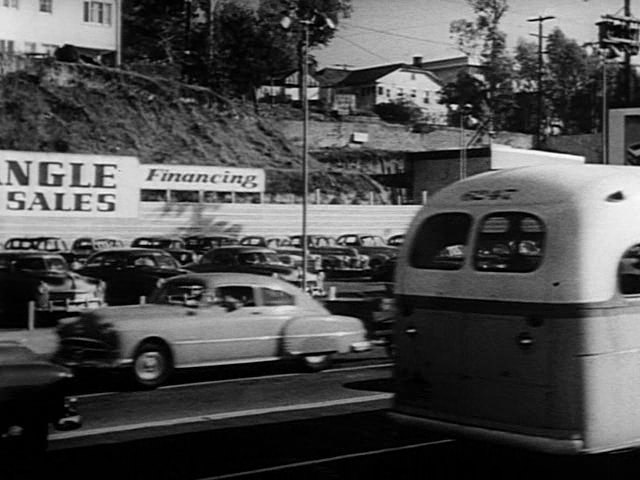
{"x": 63, "y": 279}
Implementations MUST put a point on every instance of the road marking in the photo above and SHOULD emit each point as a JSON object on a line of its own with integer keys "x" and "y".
{"x": 216, "y": 416}
{"x": 329, "y": 459}
{"x": 241, "y": 379}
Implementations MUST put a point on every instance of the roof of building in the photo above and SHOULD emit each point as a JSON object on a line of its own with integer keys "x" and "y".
{"x": 366, "y": 76}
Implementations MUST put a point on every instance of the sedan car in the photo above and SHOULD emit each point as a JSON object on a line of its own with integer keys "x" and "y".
{"x": 45, "y": 279}
{"x": 130, "y": 273}
{"x": 258, "y": 260}
{"x": 209, "y": 319}
{"x": 172, "y": 245}
{"x": 83, "y": 247}
{"x": 32, "y": 396}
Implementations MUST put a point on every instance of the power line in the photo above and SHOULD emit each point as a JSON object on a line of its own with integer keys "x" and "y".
{"x": 399, "y": 35}
{"x": 363, "y": 48}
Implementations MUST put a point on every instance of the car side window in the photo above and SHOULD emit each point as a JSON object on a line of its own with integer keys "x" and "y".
{"x": 629, "y": 271}
{"x": 240, "y": 294}
{"x": 275, "y": 298}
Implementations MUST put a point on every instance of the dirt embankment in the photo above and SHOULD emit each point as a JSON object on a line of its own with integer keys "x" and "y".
{"x": 79, "y": 108}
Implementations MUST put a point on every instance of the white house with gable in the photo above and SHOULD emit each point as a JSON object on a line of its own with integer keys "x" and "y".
{"x": 393, "y": 83}
{"x": 41, "y": 26}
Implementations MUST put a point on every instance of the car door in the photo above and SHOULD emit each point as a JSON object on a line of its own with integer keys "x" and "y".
{"x": 248, "y": 331}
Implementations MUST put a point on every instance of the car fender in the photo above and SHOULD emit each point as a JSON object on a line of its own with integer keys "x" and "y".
{"x": 321, "y": 334}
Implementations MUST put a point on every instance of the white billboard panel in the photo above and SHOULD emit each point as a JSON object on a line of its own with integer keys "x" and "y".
{"x": 63, "y": 184}
{"x": 202, "y": 178}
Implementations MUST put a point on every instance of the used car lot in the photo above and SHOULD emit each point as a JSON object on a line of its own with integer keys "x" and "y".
{"x": 130, "y": 273}
{"x": 258, "y": 260}
{"x": 45, "y": 279}
{"x": 209, "y": 319}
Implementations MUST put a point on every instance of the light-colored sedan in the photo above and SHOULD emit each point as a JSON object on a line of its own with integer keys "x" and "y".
{"x": 209, "y": 319}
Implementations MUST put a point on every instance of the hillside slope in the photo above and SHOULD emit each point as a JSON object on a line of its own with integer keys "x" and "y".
{"x": 79, "y": 108}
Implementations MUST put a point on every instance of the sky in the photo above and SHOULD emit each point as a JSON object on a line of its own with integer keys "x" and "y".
{"x": 389, "y": 31}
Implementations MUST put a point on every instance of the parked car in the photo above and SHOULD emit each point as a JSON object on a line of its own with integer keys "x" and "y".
{"x": 337, "y": 261}
{"x": 33, "y": 395}
{"x": 371, "y": 245}
{"x": 257, "y": 260}
{"x": 201, "y": 244}
{"x": 273, "y": 242}
{"x": 45, "y": 279}
{"x": 44, "y": 244}
{"x": 209, "y": 319}
{"x": 130, "y": 273}
{"x": 83, "y": 247}
{"x": 174, "y": 246}
{"x": 396, "y": 240}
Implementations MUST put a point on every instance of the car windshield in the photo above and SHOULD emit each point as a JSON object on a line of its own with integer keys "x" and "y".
{"x": 372, "y": 241}
{"x": 86, "y": 243}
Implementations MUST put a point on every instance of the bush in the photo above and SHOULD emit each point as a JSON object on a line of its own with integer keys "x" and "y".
{"x": 401, "y": 111}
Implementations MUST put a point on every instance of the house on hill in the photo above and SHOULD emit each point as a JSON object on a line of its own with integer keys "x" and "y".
{"x": 286, "y": 88}
{"x": 32, "y": 27}
{"x": 386, "y": 84}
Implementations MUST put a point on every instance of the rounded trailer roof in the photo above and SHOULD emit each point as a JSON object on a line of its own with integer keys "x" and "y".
{"x": 544, "y": 184}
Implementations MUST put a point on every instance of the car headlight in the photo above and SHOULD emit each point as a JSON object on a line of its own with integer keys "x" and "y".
{"x": 43, "y": 288}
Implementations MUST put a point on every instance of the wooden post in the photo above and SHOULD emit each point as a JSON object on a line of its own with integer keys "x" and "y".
{"x": 31, "y": 315}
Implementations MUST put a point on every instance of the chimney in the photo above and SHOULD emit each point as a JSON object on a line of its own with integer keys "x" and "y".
{"x": 417, "y": 61}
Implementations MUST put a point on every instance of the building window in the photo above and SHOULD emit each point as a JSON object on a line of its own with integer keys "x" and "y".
{"x": 388, "y": 92}
{"x": 97, "y": 12}
{"x": 400, "y": 92}
{"x": 413, "y": 76}
{"x": 46, "y": 6}
{"x": 10, "y": 3}
{"x": 380, "y": 90}
{"x": 414, "y": 93}
{"x": 426, "y": 97}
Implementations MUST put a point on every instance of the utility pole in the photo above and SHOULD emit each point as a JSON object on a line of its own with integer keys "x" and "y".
{"x": 627, "y": 60}
{"x": 540, "y": 20}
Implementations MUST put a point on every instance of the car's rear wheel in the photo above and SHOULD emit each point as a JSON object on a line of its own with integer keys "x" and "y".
{"x": 152, "y": 365}
{"x": 316, "y": 363}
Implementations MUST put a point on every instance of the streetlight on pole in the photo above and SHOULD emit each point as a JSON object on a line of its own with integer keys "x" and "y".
{"x": 304, "y": 54}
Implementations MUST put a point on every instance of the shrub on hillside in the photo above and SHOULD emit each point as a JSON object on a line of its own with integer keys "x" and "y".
{"x": 401, "y": 111}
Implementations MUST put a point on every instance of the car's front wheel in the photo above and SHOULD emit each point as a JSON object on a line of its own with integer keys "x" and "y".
{"x": 152, "y": 365}
{"x": 316, "y": 363}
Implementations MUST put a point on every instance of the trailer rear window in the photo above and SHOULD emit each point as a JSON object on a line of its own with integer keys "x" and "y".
{"x": 509, "y": 242}
{"x": 441, "y": 242}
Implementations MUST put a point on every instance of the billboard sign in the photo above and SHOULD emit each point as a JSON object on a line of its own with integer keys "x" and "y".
{"x": 63, "y": 184}
{"x": 202, "y": 178}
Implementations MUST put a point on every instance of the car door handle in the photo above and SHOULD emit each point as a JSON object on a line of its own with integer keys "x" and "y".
{"x": 411, "y": 331}
{"x": 256, "y": 313}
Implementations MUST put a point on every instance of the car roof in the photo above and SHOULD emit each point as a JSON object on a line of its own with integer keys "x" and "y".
{"x": 28, "y": 253}
{"x": 131, "y": 250}
{"x": 242, "y": 248}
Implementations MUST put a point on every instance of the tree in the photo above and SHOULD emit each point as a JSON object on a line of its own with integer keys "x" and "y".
{"x": 153, "y": 30}
{"x": 398, "y": 111}
{"x": 572, "y": 81}
{"x": 483, "y": 39}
